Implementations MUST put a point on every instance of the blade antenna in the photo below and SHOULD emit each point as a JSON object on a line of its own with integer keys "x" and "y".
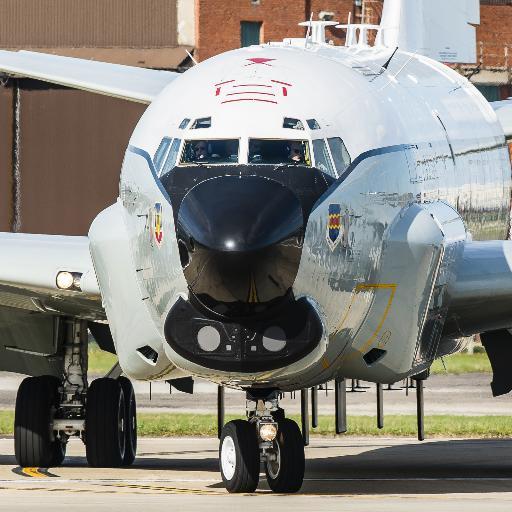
{"x": 191, "y": 58}
{"x": 340, "y": 405}
{"x": 304, "y": 415}
{"x": 220, "y": 410}
{"x": 308, "y": 33}
{"x": 314, "y": 406}
{"x": 380, "y": 406}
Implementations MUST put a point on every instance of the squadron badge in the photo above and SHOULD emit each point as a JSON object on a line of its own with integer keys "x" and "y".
{"x": 334, "y": 229}
{"x": 158, "y": 229}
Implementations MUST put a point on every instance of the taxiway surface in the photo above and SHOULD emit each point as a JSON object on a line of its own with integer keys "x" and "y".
{"x": 468, "y": 394}
{"x": 348, "y": 474}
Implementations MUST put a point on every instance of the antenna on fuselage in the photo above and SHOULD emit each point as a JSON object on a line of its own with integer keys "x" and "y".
{"x": 308, "y": 32}
{"x": 192, "y": 58}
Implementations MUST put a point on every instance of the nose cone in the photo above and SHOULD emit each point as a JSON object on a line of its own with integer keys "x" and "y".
{"x": 240, "y": 241}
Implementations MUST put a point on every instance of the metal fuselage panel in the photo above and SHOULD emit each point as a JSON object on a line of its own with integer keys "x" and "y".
{"x": 418, "y": 133}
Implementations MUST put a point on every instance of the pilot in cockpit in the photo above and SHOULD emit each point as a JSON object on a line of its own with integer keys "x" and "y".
{"x": 296, "y": 152}
{"x": 201, "y": 151}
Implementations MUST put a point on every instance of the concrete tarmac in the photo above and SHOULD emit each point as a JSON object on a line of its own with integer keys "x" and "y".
{"x": 342, "y": 474}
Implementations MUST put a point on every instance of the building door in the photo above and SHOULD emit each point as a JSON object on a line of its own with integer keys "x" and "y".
{"x": 250, "y": 33}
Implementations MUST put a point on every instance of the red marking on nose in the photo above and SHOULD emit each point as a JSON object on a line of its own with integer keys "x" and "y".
{"x": 285, "y": 91}
{"x": 259, "y": 60}
{"x": 281, "y": 83}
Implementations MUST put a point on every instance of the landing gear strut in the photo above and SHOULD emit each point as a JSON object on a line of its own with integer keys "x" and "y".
{"x": 50, "y": 410}
{"x": 267, "y": 437}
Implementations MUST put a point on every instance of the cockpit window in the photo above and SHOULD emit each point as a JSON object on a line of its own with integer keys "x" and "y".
{"x": 161, "y": 152}
{"x": 263, "y": 151}
{"x": 170, "y": 161}
{"x": 322, "y": 158}
{"x": 313, "y": 124}
{"x": 184, "y": 123}
{"x": 202, "y": 122}
{"x": 210, "y": 151}
{"x": 294, "y": 124}
{"x": 339, "y": 154}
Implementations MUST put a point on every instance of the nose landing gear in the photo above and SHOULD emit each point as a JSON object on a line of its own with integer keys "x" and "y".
{"x": 267, "y": 437}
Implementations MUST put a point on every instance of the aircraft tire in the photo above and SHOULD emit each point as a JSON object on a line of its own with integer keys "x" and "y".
{"x": 34, "y": 444}
{"x": 130, "y": 405}
{"x": 105, "y": 424}
{"x": 287, "y": 473}
{"x": 239, "y": 457}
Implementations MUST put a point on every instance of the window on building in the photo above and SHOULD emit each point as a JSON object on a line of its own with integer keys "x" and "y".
{"x": 490, "y": 92}
{"x": 250, "y": 33}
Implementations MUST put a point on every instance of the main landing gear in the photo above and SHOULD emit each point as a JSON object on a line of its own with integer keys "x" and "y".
{"x": 50, "y": 410}
{"x": 267, "y": 437}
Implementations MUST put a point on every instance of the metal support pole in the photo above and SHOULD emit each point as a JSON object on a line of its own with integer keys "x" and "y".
{"x": 220, "y": 410}
{"x": 314, "y": 406}
{"x": 420, "y": 411}
{"x": 304, "y": 415}
{"x": 380, "y": 406}
{"x": 340, "y": 399}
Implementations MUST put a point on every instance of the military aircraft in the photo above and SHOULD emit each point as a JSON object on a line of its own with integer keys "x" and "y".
{"x": 288, "y": 214}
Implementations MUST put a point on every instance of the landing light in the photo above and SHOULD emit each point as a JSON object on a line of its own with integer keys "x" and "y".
{"x": 68, "y": 280}
{"x": 268, "y": 431}
{"x": 65, "y": 280}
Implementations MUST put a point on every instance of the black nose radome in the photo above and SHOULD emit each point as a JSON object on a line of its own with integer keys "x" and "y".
{"x": 240, "y": 242}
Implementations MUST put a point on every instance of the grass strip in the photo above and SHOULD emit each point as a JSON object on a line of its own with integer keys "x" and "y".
{"x": 457, "y": 364}
{"x": 174, "y": 425}
{"x": 167, "y": 425}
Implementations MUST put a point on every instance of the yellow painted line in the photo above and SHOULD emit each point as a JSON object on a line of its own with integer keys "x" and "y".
{"x": 365, "y": 287}
{"x": 33, "y": 472}
{"x": 391, "y": 287}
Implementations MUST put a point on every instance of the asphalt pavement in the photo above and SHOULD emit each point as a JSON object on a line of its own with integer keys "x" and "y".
{"x": 342, "y": 474}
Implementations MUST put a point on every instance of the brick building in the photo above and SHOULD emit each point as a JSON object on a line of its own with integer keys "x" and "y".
{"x": 272, "y": 20}
{"x": 61, "y": 150}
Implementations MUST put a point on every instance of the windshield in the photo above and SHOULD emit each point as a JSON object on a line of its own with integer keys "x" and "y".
{"x": 262, "y": 151}
{"x": 210, "y": 151}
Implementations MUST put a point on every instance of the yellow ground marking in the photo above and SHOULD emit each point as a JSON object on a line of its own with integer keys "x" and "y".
{"x": 33, "y": 472}
{"x": 365, "y": 287}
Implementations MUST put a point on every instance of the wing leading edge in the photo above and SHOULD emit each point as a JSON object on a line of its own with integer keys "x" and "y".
{"x": 126, "y": 82}
{"x": 29, "y": 265}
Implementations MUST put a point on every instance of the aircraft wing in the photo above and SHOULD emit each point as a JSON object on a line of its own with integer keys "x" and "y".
{"x": 503, "y": 110}
{"x": 29, "y": 265}
{"x": 126, "y": 82}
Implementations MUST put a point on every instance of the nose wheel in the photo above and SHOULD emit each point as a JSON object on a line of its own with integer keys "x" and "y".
{"x": 239, "y": 457}
{"x": 284, "y": 464}
{"x": 279, "y": 445}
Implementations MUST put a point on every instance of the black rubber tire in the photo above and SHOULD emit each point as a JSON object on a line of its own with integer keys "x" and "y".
{"x": 290, "y": 475}
{"x": 34, "y": 444}
{"x": 130, "y": 407}
{"x": 105, "y": 437}
{"x": 247, "y": 465}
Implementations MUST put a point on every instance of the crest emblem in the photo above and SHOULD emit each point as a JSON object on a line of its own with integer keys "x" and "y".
{"x": 158, "y": 228}
{"x": 334, "y": 230}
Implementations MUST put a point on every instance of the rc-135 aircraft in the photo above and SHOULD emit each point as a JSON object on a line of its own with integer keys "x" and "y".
{"x": 289, "y": 213}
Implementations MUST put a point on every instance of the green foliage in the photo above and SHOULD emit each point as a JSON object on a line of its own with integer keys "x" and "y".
{"x": 171, "y": 425}
{"x": 100, "y": 362}
{"x": 167, "y": 425}
{"x": 463, "y": 363}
